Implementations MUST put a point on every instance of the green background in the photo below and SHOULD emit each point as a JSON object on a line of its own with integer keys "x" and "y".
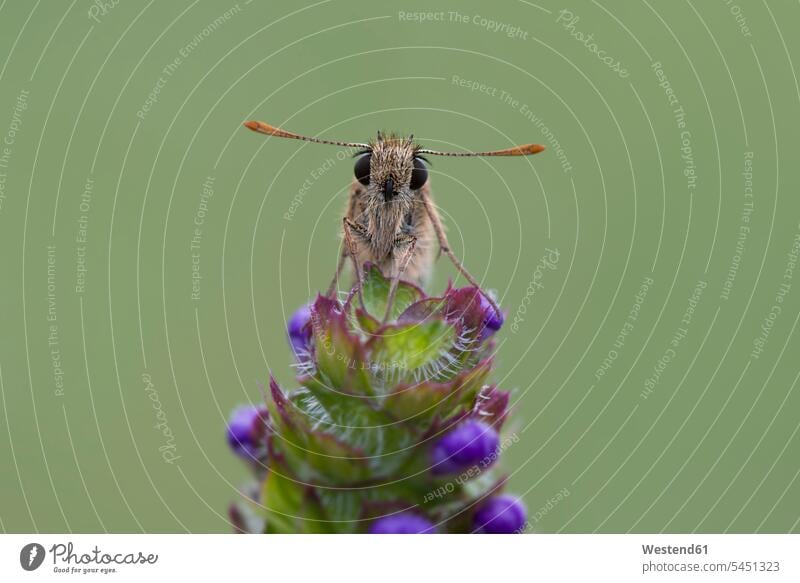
{"x": 712, "y": 447}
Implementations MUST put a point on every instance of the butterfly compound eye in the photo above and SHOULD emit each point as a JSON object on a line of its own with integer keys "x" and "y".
{"x": 361, "y": 169}
{"x": 419, "y": 175}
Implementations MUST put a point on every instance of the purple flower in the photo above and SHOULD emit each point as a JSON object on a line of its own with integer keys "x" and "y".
{"x": 246, "y": 430}
{"x": 492, "y": 319}
{"x": 469, "y": 443}
{"x": 299, "y": 329}
{"x": 504, "y": 514}
{"x": 402, "y": 523}
{"x": 471, "y": 309}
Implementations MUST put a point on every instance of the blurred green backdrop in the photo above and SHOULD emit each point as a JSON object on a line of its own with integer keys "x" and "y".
{"x": 152, "y": 248}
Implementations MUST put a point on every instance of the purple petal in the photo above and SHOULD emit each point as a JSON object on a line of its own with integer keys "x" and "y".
{"x": 504, "y": 514}
{"x": 493, "y": 320}
{"x": 299, "y": 329}
{"x": 246, "y": 430}
{"x": 402, "y": 523}
{"x": 470, "y": 443}
{"x": 470, "y": 307}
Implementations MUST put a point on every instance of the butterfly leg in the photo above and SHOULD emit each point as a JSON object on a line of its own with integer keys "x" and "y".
{"x": 335, "y": 281}
{"x": 444, "y": 246}
{"x": 351, "y": 228}
{"x": 410, "y": 243}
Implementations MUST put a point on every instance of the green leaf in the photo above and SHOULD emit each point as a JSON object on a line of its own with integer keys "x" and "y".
{"x": 407, "y": 348}
{"x": 375, "y": 290}
{"x": 352, "y": 510}
{"x": 291, "y": 507}
{"x": 418, "y": 403}
{"x": 342, "y": 508}
{"x": 341, "y": 360}
{"x": 365, "y": 322}
{"x": 381, "y": 442}
{"x": 282, "y": 501}
{"x": 325, "y": 459}
{"x": 310, "y": 452}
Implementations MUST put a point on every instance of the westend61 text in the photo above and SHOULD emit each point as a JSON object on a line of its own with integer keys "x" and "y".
{"x": 671, "y": 550}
